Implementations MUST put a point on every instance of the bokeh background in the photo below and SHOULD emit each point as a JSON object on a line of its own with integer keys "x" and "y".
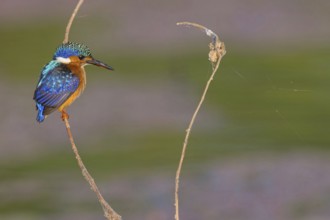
{"x": 259, "y": 148}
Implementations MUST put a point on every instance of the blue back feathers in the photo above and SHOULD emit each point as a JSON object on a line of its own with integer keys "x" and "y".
{"x": 72, "y": 49}
{"x": 55, "y": 87}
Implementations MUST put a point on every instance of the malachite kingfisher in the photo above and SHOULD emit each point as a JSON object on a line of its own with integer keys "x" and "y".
{"x": 63, "y": 79}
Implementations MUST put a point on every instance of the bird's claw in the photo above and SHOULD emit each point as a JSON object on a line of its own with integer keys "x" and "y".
{"x": 64, "y": 115}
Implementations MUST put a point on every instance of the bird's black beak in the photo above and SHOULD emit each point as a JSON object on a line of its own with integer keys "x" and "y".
{"x": 99, "y": 63}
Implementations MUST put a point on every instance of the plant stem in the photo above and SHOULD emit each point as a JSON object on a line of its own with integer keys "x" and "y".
{"x": 109, "y": 213}
{"x": 68, "y": 27}
{"x": 217, "y": 51}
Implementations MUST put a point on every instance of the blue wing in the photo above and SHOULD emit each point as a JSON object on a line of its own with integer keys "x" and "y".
{"x": 55, "y": 86}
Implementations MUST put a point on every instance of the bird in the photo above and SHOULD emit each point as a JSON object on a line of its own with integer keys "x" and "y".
{"x": 63, "y": 79}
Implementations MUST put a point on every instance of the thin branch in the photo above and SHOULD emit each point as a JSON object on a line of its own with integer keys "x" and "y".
{"x": 109, "y": 213}
{"x": 68, "y": 27}
{"x": 217, "y": 51}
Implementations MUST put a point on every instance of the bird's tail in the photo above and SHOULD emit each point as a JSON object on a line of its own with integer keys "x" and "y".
{"x": 40, "y": 116}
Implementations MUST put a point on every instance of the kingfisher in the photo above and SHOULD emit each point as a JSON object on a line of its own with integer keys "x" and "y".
{"x": 63, "y": 79}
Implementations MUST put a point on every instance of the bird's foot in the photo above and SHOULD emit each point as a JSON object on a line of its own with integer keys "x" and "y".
{"x": 64, "y": 115}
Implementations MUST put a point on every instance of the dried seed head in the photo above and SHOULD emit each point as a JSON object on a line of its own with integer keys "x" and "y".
{"x": 217, "y": 48}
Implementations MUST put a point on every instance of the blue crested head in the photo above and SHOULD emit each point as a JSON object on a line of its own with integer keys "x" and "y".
{"x": 72, "y": 49}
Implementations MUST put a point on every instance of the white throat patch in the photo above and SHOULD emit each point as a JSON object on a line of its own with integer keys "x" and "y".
{"x": 63, "y": 60}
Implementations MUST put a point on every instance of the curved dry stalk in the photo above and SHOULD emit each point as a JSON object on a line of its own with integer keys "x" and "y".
{"x": 68, "y": 27}
{"x": 217, "y": 51}
{"x": 109, "y": 213}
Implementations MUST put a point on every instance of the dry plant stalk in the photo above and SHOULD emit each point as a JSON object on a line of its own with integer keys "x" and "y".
{"x": 109, "y": 213}
{"x": 68, "y": 27}
{"x": 217, "y": 51}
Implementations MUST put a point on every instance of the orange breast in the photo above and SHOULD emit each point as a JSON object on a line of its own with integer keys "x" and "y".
{"x": 80, "y": 72}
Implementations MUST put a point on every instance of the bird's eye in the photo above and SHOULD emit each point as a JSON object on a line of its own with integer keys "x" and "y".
{"x": 81, "y": 57}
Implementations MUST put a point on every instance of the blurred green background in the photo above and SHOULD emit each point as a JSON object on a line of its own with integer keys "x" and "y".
{"x": 258, "y": 150}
